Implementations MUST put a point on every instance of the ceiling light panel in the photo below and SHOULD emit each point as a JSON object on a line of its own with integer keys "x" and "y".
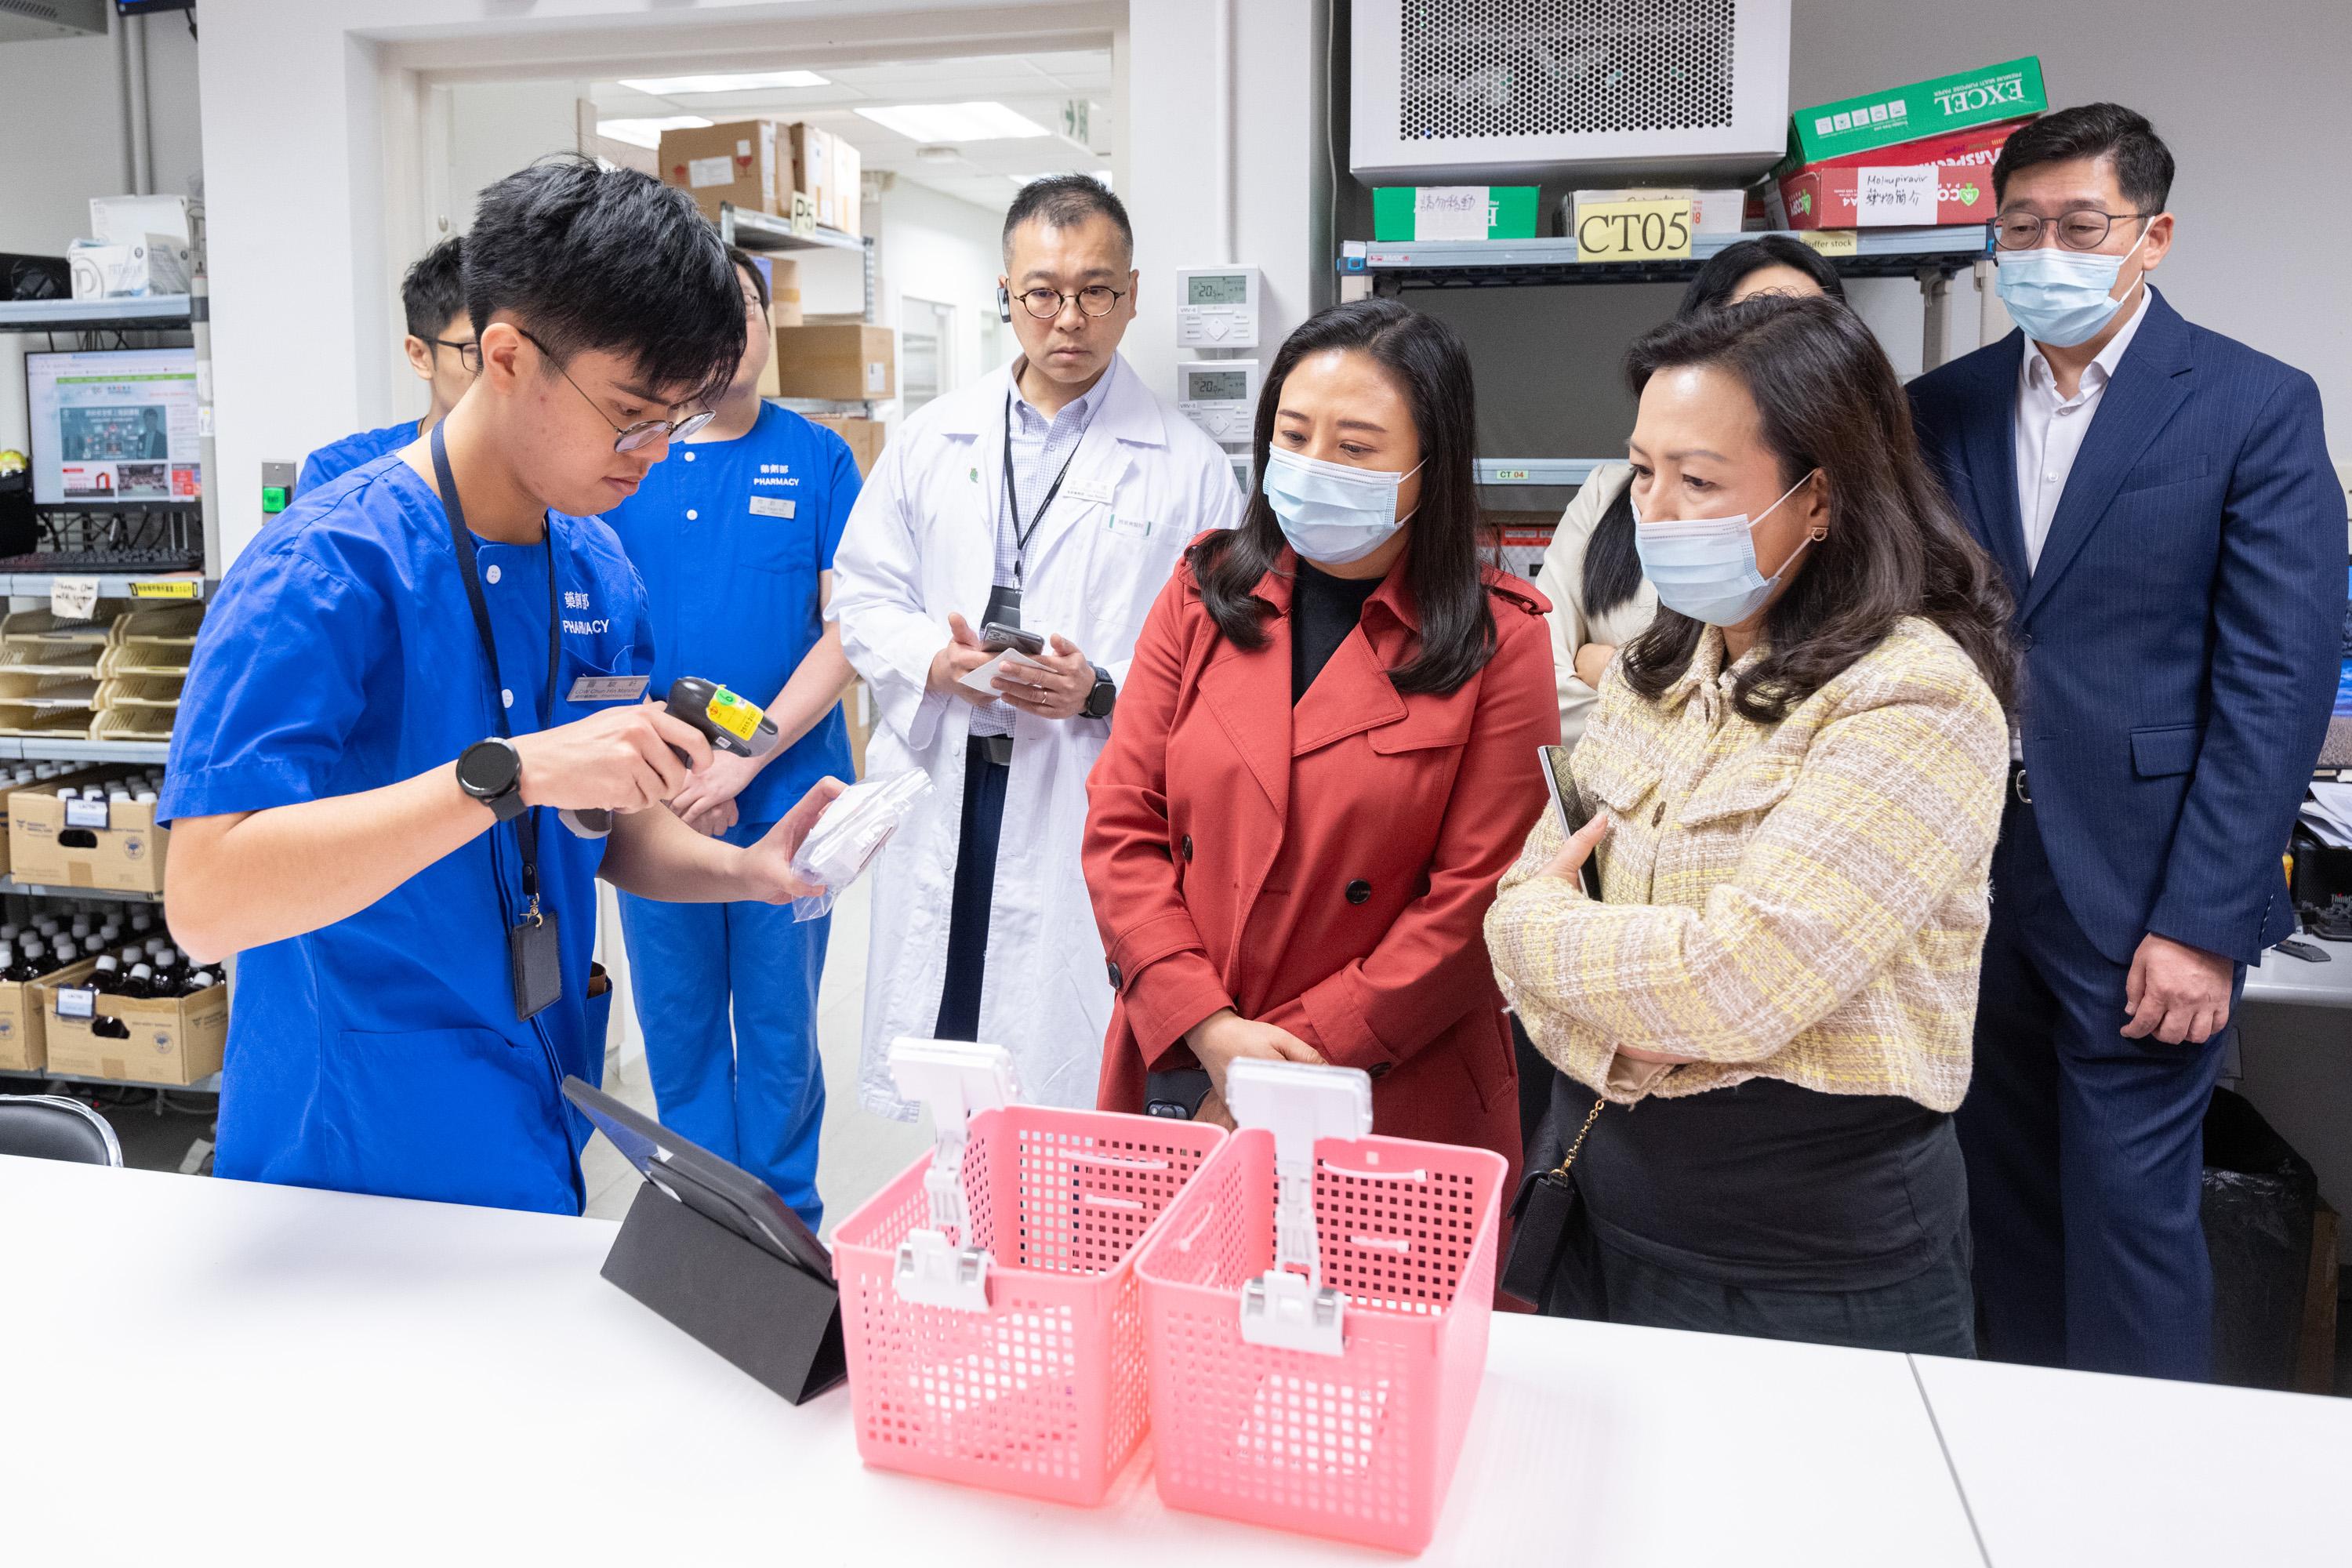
{"x": 647, "y": 133}
{"x": 740, "y": 81}
{"x": 936, "y": 122}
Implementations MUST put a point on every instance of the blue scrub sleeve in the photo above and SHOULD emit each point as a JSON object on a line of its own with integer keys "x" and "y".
{"x": 277, "y": 688}
{"x": 309, "y": 479}
{"x": 842, "y": 484}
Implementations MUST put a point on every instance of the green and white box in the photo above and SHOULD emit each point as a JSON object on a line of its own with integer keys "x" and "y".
{"x": 1931, "y": 108}
{"x": 1453, "y": 212}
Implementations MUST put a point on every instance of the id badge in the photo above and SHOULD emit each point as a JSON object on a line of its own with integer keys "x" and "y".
{"x": 537, "y": 962}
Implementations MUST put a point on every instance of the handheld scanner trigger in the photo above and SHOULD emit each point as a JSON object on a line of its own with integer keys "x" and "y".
{"x": 730, "y": 723}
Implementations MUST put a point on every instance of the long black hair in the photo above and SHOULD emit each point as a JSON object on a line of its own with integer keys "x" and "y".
{"x": 1827, "y": 399}
{"x": 1613, "y": 570}
{"x": 1444, "y": 566}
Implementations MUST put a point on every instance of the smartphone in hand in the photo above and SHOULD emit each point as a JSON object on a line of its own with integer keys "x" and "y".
{"x": 1574, "y": 811}
{"x": 997, "y": 638}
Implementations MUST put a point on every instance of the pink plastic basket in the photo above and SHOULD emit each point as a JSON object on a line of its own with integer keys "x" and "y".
{"x": 1360, "y": 1446}
{"x": 1041, "y": 1393}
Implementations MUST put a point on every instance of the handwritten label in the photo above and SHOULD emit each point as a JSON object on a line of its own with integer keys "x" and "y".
{"x": 1450, "y": 211}
{"x": 73, "y": 598}
{"x": 1634, "y": 231}
{"x": 1895, "y": 195}
{"x": 1830, "y": 241}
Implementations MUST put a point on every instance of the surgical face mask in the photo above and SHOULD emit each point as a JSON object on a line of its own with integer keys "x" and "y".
{"x": 2061, "y": 297}
{"x": 1705, "y": 567}
{"x": 1329, "y": 512}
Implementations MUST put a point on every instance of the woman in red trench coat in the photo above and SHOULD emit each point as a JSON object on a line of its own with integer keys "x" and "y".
{"x": 1297, "y": 825}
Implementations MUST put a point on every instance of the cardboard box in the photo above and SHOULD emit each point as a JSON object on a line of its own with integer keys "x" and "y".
{"x": 22, "y": 1047}
{"x": 1454, "y": 212}
{"x": 784, "y": 292}
{"x": 1712, "y": 212}
{"x": 1936, "y": 106}
{"x": 1980, "y": 144}
{"x": 129, "y": 220}
{"x": 857, "y": 712}
{"x": 812, "y": 155}
{"x": 1894, "y": 196}
{"x": 864, "y": 437}
{"x": 168, "y": 1040}
{"x": 124, "y": 855}
{"x": 841, "y": 363}
{"x": 736, "y": 163}
{"x": 848, "y": 182}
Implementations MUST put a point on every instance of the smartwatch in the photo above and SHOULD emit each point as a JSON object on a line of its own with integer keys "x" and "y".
{"x": 491, "y": 772}
{"x": 1103, "y": 697}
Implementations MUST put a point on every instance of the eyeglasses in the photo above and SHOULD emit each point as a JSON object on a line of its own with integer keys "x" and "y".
{"x": 644, "y": 432}
{"x": 2082, "y": 230}
{"x": 1094, "y": 300}
{"x": 469, "y": 352}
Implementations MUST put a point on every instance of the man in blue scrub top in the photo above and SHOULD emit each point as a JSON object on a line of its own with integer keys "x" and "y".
{"x": 348, "y": 808}
{"x": 734, "y": 537}
{"x": 440, "y": 346}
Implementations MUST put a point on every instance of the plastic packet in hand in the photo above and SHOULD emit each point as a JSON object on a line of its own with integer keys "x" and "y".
{"x": 850, "y": 834}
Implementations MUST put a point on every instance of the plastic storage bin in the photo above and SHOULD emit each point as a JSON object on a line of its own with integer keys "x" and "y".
{"x": 988, "y": 1297}
{"x": 1331, "y": 1400}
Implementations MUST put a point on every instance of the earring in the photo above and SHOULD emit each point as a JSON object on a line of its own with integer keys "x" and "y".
{"x": 1818, "y": 535}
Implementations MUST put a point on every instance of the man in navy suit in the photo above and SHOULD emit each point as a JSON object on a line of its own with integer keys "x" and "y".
{"x": 2161, "y": 501}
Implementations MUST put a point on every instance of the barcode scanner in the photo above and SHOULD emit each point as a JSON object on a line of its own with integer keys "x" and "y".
{"x": 729, "y": 722}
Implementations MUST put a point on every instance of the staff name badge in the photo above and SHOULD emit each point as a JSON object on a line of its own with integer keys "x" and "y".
{"x": 1093, "y": 488}
{"x": 1128, "y": 527}
{"x": 773, "y": 506}
{"x": 608, "y": 688}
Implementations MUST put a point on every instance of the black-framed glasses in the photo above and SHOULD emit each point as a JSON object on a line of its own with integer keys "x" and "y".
{"x": 2086, "y": 229}
{"x": 469, "y": 352}
{"x": 1094, "y": 300}
{"x": 644, "y": 432}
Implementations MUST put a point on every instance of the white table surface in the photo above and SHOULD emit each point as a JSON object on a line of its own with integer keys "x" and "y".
{"x": 2066, "y": 1469}
{"x": 216, "y": 1372}
{"x": 2283, "y": 978}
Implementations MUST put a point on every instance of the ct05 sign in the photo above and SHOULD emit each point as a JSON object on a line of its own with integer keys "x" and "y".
{"x": 1634, "y": 231}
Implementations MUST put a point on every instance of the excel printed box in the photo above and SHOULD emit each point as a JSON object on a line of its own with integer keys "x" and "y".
{"x": 1936, "y": 106}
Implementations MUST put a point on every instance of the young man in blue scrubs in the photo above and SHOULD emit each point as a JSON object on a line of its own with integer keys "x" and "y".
{"x": 407, "y": 674}
{"x": 440, "y": 346}
{"x": 734, "y": 536}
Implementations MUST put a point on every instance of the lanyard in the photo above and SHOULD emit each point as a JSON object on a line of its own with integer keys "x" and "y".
{"x": 526, "y": 825}
{"x": 1020, "y": 536}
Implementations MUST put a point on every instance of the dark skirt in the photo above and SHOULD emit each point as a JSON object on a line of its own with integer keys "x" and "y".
{"x": 1771, "y": 1210}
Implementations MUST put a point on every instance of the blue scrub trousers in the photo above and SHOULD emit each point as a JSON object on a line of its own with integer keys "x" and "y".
{"x": 752, "y": 1094}
{"x": 2085, "y": 1149}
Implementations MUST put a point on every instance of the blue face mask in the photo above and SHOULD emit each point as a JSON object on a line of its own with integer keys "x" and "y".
{"x": 1705, "y": 567}
{"x": 2061, "y": 297}
{"x": 1330, "y": 513}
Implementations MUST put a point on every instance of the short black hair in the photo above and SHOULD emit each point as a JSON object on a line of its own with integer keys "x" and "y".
{"x": 1064, "y": 200}
{"x": 744, "y": 262}
{"x": 2143, "y": 163}
{"x": 587, "y": 257}
{"x": 1727, "y": 268}
{"x": 434, "y": 293}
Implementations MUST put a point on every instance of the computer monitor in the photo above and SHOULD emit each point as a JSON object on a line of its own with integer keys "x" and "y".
{"x": 114, "y": 428}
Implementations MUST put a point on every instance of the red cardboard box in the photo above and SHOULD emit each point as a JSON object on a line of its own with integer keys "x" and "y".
{"x": 1902, "y": 196}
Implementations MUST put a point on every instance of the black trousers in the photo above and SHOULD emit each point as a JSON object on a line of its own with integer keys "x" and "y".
{"x": 975, "y": 889}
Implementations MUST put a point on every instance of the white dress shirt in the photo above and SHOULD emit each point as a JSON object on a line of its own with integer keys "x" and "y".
{"x": 2049, "y": 437}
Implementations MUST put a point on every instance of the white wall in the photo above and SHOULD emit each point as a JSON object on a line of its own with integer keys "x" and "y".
{"x": 937, "y": 248}
{"x": 66, "y": 90}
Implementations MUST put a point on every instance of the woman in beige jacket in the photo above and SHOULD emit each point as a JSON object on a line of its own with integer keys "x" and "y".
{"x": 1599, "y": 600}
{"x": 1797, "y": 775}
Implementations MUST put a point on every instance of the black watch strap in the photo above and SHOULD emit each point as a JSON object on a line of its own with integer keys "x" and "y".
{"x": 1103, "y": 697}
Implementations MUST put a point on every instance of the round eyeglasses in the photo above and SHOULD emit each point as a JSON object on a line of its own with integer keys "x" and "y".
{"x": 2086, "y": 229}
{"x": 1094, "y": 300}
{"x": 644, "y": 432}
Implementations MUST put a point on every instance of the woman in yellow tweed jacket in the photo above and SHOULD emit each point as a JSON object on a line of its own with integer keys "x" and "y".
{"x": 1796, "y": 776}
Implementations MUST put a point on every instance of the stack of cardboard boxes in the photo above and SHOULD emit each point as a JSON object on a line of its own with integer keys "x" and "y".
{"x": 767, "y": 166}
{"x": 1915, "y": 155}
{"x": 55, "y": 1024}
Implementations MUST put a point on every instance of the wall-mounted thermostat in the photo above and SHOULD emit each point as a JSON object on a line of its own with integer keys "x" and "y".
{"x": 1217, "y": 307}
{"x": 1240, "y": 462}
{"x": 1219, "y": 396}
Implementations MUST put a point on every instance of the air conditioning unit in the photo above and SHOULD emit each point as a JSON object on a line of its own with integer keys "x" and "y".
{"x": 21, "y": 19}
{"x": 1579, "y": 91}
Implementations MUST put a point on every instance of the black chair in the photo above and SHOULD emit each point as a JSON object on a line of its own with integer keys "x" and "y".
{"x": 49, "y": 1127}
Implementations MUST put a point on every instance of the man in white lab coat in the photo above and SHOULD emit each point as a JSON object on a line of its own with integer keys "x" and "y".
{"x": 1055, "y": 495}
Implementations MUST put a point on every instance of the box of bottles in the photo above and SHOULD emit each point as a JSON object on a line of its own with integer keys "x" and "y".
{"x": 167, "y": 1040}
{"x": 23, "y": 1045}
{"x": 87, "y": 831}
